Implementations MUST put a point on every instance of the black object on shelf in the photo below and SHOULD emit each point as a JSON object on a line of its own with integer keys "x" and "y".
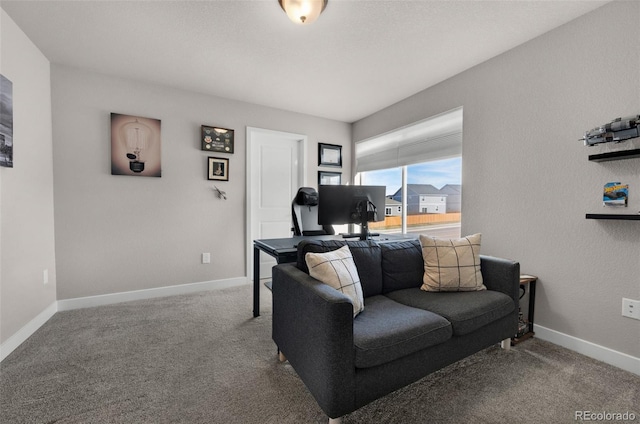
{"x": 619, "y": 216}
{"x": 621, "y": 154}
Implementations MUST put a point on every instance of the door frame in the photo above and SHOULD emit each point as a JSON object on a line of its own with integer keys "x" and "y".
{"x": 252, "y": 133}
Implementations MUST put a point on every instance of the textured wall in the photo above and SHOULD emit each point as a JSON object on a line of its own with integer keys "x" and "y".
{"x": 527, "y": 183}
{"x": 26, "y": 216}
{"x": 123, "y": 233}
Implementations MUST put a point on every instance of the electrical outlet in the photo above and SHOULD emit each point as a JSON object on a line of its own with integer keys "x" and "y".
{"x": 631, "y": 308}
{"x": 45, "y": 276}
{"x": 206, "y": 258}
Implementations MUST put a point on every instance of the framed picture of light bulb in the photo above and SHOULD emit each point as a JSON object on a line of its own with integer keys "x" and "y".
{"x": 216, "y": 139}
{"x": 135, "y": 146}
{"x": 218, "y": 169}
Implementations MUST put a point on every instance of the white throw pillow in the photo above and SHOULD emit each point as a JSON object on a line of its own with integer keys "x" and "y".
{"x": 451, "y": 264}
{"x": 338, "y": 270}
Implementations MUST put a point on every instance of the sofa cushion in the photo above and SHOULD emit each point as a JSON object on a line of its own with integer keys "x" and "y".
{"x": 451, "y": 264}
{"x": 467, "y": 311}
{"x": 402, "y": 265}
{"x": 366, "y": 255}
{"x": 387, "y": 330}
{"x": 337, "y": 269}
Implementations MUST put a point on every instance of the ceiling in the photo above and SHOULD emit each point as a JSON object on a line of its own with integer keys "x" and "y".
{"x": 357, "y": 58}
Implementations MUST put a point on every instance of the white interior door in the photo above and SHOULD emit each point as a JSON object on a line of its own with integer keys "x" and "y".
{"x": 275, "y": 167}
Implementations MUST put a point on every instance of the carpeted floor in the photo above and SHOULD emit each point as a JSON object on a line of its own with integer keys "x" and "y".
{"x": 203, "y": 358}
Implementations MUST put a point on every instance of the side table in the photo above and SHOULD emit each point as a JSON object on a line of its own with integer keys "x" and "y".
{"x": 527, "y": 280}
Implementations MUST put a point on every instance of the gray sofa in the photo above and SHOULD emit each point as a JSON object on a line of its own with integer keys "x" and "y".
{"x": 402, "y": 335}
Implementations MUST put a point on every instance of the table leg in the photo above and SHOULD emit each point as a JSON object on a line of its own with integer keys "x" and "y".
{"x": 532, "y": 303}
{"x": 256, "y": 282}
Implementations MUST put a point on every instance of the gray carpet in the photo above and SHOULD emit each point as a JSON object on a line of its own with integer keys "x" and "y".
{"x": 203, "y": 358}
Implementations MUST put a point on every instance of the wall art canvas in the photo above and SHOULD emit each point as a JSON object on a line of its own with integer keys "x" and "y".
{"x": 6, "y": 122}
{"x": 135, "y": 146}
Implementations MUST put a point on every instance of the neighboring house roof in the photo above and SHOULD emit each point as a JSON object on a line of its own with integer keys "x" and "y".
{"x": 418, "y": 189}
{"x": 392, "y": 202}
{"x": 430, "y": 190}
{"x": 451, "y": 189}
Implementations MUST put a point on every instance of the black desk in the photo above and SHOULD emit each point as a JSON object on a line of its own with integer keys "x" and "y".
{"x": 285, "y": 250}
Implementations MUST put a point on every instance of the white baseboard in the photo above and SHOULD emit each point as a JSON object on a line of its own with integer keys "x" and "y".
{"x": 108, "y": 299}
{"x": 25, "y": 332}
{"x": 592, "y": 350}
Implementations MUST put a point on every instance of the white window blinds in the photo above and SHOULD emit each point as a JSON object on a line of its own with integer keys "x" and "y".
{"x": 438, "y": 137}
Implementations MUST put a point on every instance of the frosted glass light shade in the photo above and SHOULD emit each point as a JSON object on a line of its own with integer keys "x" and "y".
{"x": 303, "y": 11}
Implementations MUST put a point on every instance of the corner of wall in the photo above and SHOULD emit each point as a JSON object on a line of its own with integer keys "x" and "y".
{"x": 26, "y": 190}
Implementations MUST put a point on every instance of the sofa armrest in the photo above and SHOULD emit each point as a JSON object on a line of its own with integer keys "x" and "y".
{"x": 313, "y": 328}
{"x": 501, "y": 275}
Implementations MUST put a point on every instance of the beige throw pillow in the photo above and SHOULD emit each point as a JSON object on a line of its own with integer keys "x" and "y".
{"x": 338, "y": 270}
{"x": 451, "y": 264}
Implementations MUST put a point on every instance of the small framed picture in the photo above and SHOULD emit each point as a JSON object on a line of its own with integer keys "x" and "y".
{"x": 218, "y": 169}
{"x": 329, "y": 155}
{"x": 329, "y": 178}
{"x": 216, "y": 139}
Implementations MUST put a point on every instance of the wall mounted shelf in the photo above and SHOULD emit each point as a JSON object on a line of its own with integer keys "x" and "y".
{"x": 622, "y": 154}
{"x": 618, "y": 155}
{"x": 619, "y": 216}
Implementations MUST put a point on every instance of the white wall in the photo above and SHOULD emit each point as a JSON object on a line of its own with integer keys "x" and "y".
{"x": 527, "y": 183}
{"x": 123, "y": 233}
{"x": 26, "y": 190}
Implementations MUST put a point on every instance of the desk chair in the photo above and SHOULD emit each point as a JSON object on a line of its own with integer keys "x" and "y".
{"x": 304, "y": 213}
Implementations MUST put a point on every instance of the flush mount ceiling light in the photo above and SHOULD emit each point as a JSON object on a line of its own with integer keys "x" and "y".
{"x": 303, "y": 11}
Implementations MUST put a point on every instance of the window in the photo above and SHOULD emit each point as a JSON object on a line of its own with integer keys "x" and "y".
{"x": 436, "y": 215}
{"x": 429, "y": 156}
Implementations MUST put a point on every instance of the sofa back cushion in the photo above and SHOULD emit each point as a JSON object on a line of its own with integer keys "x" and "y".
{"x": 402, "y": 265}
{"x": 366, "y": 255}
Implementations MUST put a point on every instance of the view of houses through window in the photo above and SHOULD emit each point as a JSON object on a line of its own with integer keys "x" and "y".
{"x": 434, "y": 196}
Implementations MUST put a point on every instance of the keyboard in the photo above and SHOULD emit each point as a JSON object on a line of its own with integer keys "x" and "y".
{"x": 354, "y": 235}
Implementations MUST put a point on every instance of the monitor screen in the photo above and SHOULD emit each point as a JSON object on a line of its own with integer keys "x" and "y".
{"x": 339, "y": 204}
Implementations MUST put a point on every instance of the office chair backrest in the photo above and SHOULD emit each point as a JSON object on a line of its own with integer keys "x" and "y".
{"x": 307, "y": 196}
{"x": 304, "y": 213}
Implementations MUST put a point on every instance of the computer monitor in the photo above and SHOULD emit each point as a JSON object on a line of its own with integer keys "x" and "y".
{"x": 351, "y": 204}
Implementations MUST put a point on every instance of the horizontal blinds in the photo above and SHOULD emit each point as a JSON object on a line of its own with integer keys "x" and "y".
{"x": 436, "y": 138}
{"x": 374, "y": 155}
{"x": 443, "y": 147}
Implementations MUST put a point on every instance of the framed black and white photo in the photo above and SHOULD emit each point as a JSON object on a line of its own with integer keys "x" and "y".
{"x": 6, "y": 122}
{"x": 218, "y": 169}
{"x": 329, "y": 155}
{"x": 329, "y": 178}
